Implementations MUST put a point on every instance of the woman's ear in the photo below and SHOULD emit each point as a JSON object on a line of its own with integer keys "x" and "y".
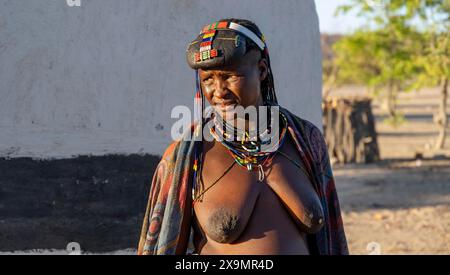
{"x": 263, "y": 69}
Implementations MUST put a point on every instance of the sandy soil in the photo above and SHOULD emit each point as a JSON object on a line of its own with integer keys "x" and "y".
{"x": 400, "y": 204}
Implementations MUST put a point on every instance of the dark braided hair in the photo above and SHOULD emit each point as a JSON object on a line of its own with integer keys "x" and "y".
{"x": 267, "y": 85}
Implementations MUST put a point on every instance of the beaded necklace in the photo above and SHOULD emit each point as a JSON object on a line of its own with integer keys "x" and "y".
{"x": 247, "y": 153}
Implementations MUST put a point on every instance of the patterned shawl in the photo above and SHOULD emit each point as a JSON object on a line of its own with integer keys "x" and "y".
{"x": 167, "y": 221}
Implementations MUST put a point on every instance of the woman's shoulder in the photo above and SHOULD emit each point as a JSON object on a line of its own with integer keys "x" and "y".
{"x": 170, "y": 150}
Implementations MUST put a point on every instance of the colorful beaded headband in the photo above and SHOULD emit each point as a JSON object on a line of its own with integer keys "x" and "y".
{"x": 209, "y": 31}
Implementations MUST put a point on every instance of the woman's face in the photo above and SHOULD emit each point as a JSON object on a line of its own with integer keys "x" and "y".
{"x": 238, "y": 84}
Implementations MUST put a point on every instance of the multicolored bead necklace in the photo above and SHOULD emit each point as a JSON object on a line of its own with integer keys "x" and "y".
{"x": 246, "y": 153}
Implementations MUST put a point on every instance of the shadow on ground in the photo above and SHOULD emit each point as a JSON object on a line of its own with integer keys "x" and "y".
{"x": 394, "y": 184}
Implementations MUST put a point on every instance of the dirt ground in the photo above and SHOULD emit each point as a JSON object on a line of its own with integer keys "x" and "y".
{"x": 400, "y": 205}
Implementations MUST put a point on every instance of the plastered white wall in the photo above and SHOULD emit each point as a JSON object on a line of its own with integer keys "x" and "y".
{"x": 103, "y": 78}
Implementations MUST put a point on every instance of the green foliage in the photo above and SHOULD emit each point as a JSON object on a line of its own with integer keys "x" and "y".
{"x": 394, "y": 49}
{"x": 377, "y": 58}
{"x": 435, "y": 62}
{"x": 404, "y": 45}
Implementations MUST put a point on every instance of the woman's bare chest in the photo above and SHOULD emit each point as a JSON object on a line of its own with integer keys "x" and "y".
{"x": 227, "y": 207}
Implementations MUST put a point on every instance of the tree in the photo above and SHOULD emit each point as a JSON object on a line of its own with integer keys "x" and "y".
{"x": 435, "y": 60}
{"x": 380, "y": 60}
{"x": 409, "y": 48}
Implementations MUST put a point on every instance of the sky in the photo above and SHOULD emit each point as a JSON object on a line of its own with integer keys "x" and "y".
{"x": 330, "y": 24}
{"x": 345, "y": 24}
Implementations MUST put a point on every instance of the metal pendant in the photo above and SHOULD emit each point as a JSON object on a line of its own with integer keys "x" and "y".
{"x": 261, "y": 173}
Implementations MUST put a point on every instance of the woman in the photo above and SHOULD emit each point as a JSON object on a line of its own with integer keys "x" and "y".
{"x": 236, "y": 191}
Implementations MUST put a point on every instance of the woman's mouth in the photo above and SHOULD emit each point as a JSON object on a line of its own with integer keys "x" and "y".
{"x": 226, "y": 107}
{"x": 225, "y": 104}
{"x": 226, "y": 110}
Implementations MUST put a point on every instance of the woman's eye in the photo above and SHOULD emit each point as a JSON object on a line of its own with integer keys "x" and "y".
{"x": 233, "y": 78}
{"x": 207, "y": 80}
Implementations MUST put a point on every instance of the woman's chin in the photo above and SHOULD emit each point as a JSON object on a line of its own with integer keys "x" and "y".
{"x": 228, "y": 113}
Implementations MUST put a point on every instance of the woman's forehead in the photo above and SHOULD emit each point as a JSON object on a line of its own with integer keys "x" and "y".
{"x": 231, "y": 68}
{"x": 239, "y": 65}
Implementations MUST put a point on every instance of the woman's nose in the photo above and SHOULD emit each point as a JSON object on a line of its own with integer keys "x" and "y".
{"x": 221, "y": 89}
